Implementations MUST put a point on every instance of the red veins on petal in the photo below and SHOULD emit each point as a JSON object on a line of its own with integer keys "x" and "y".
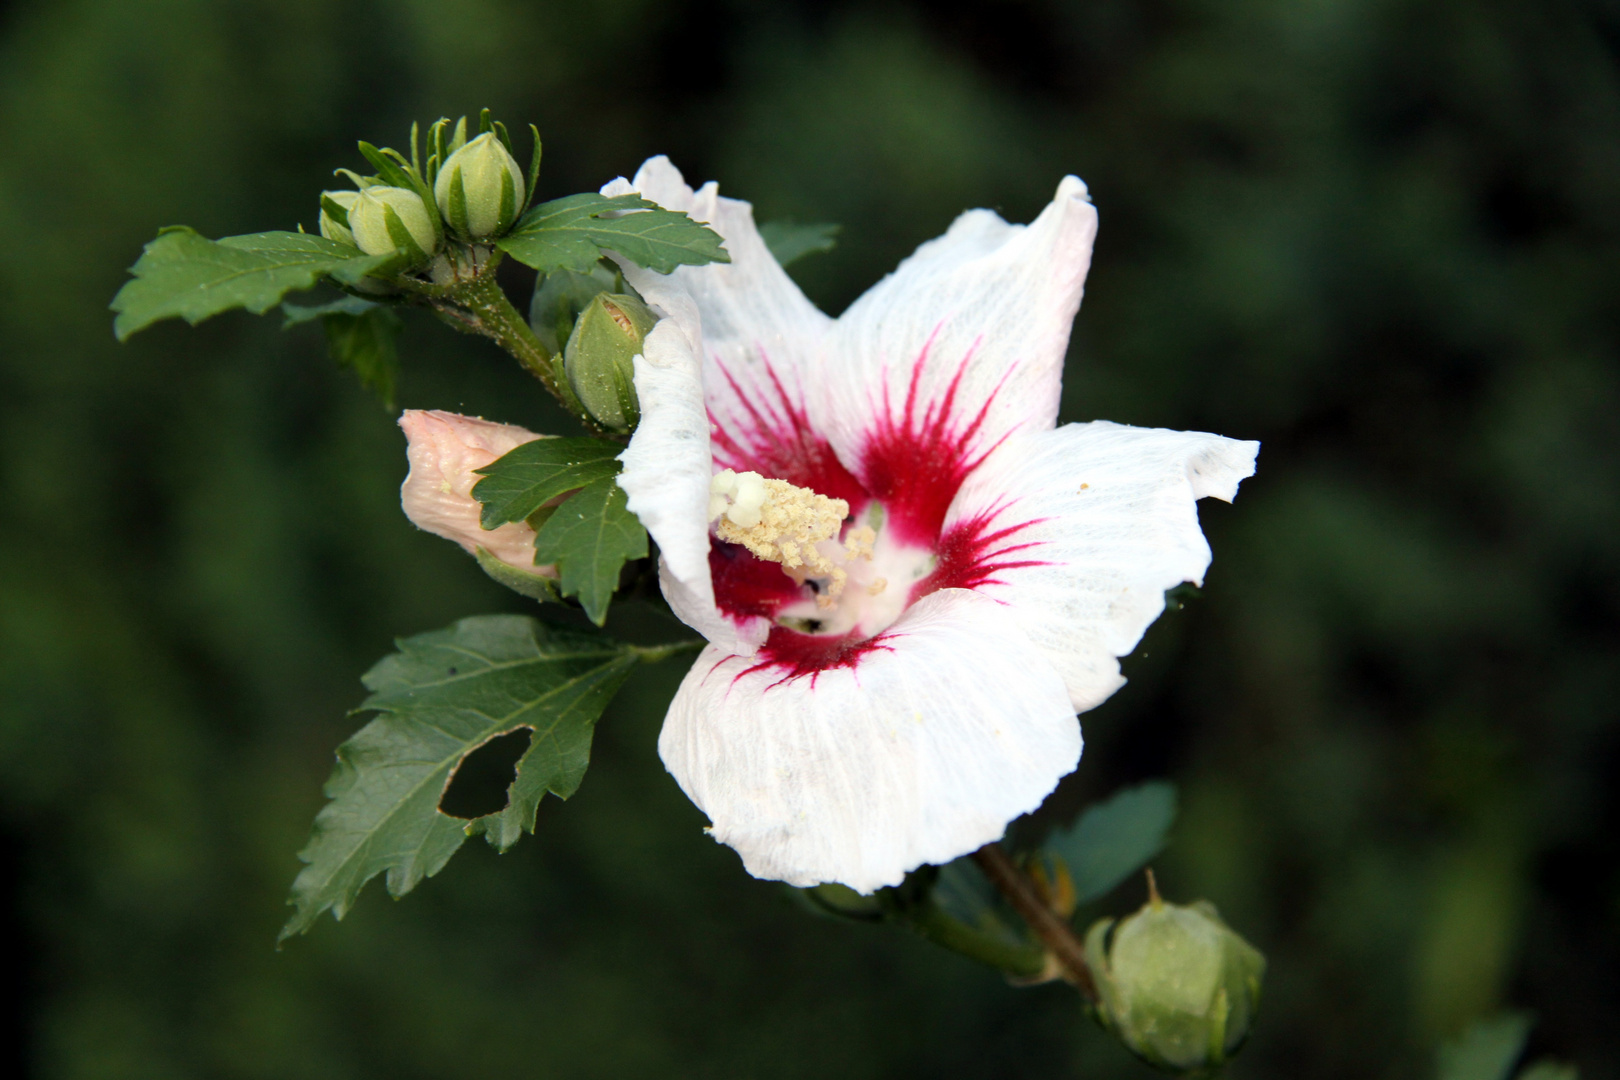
{"x": 971, "y": 555}
{"x": 792, "y": 655}
{"x": 914, "y": 464}
{"x": 774, "y": 439}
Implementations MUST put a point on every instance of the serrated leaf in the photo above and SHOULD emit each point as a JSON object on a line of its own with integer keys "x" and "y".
{"x": 439, "y": 698}
{"x": 589, "y": 538}
{"x": 789, "y": 241}
{"x": 182, "y": 274}
{"x": 520, "y": 482}
{"x": 1115, "y": 838}
{"x": 573, "y": 232}
{"x": 360, "y": 335}
{"x": 1487, "y": 1050}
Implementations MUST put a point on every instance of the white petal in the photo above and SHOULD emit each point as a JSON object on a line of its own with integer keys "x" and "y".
{"x": 756, "y": 333}
{"x": 974, "y": 322}
{"x": 1107, "y": 515}
{"x": 740, "y": 637}
{"x": 667, "y": 464}
{"x": 922, "y": 751}
{"x": 666, "y": 478}
{"x": 720, "y": 377}
{"x": 445, "y": 449}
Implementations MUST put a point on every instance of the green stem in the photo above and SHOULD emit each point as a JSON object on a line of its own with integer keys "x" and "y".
{"x": 651, "y": 654}
{"x": 480, "y": 304}
{"x": 931, "y": 921}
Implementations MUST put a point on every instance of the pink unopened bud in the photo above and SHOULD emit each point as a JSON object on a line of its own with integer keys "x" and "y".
{"x": 445, "y": 449}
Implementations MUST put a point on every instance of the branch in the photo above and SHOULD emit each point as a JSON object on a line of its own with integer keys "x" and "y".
{"x": 1055, "y": 932}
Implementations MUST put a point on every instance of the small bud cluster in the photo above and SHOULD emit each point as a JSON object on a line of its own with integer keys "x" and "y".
{"x": 471, "y": 191}
{"x": 439, "y": 220}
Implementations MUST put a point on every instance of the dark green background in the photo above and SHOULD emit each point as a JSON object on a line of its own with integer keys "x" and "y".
{"x": 1379, "y": 236}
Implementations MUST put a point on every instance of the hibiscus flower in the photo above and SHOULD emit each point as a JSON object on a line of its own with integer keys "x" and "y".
{"x": 910, "y": 578}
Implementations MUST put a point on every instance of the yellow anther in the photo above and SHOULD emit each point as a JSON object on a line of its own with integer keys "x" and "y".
{"x": 780, "y": 523}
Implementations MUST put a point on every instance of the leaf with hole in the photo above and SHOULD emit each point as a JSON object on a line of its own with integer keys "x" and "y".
{"x": 573, "y": 232}
{"x": 1115, "y": 838}
{"x": 521, "y": 481}
{"x": 182, "y": 274}
{"x": 443, "y": 695}
{"x": 590, "y": 537}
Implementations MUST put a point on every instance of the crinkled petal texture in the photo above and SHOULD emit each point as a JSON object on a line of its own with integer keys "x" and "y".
{"x": 852, "y": 728}
{"x": 957, "y": 349}
{"x": 1078, "y": 532}
{"x": 445, "y": 451}
{"x": 949, "y": 726}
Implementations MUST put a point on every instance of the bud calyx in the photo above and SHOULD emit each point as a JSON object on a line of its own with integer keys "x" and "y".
{"x": 390, "y": 220}
{"x": 599, "y": 354}
{"x": 1177, "y": 985}
{"x": 480, "y": 188}
{"x": 334, "y": 221}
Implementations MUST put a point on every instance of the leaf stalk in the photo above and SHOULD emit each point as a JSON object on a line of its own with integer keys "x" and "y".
{"x": 934, "y": 923}
{"x": 651, "y": 654}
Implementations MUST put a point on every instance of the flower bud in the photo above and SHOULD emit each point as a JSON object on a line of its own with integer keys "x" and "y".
{"x": 1176, "y": 984}
{"x": 479, "y": 188}
{"x": 331, "y": 227}
{"x": 385, "y": 220}
{"x": 599, "y": 354}
{"x": 445, "y": 451}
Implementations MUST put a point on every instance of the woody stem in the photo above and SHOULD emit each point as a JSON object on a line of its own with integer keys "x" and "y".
{"x": 1053, "y": 930}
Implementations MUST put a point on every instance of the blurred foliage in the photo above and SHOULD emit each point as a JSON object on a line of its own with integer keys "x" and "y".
{"x": 1379, "y": 236}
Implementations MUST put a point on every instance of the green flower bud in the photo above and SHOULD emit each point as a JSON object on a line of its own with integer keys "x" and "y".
{"x": 337, "y": 227}
{"x": 480, "y": 188}
{"x": 385, "y": 220}
{"x": 597, "y": 358}
{"x": 1177, "y": 985}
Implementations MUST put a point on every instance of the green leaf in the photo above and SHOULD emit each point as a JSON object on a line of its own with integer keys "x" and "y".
{"x": 524, "y": 582}
{"x": 439, "y": 698}
{"x": 572, "y": 233}
{"x": 520, "y": 482}
{"x": 1548, "y": 1069}
{"x": 1487, "y": 1050}
{"x": 1115, "y": 838}
{"x": 182, "y": 274}
{"x": 558, "y": 299}
{"x": 789, "y": 241}
{"x": 589, "y": 538}
{"x": 965, "y": 894}
{"x": 299, "y": 314}
{"x": 367, "y": 343}
{"x": 360, "y": 335}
